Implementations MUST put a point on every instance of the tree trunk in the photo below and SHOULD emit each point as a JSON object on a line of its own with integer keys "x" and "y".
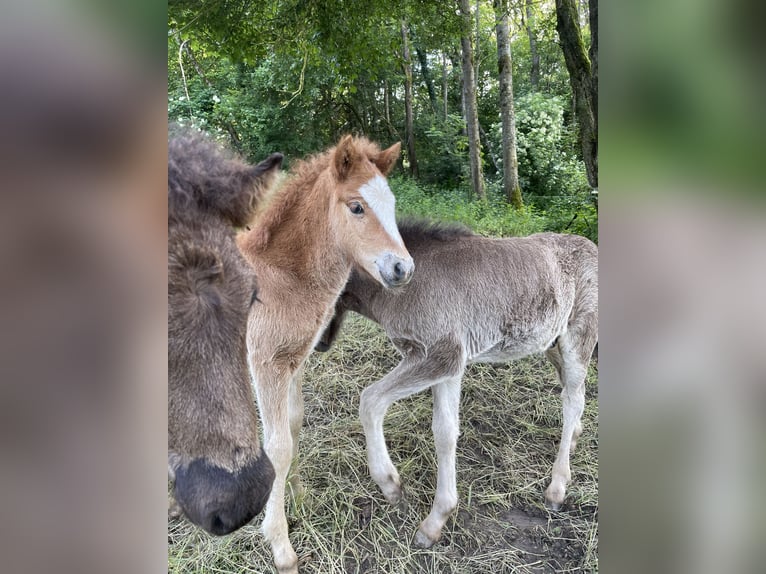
{"x": 583, "y": 82}
{"x": 593, "y": 14}
{"x": 505, "y": 73}
{"x": 476, "y": 44}
{"x": 534, "y": 73}
{"x": 471, "y": 111}
{"x": 386, "y": 104}
{"x": 409, "y": 131}
{"x": 429, "y": 81}
{"x": 444, "y": 84}
{"x": 392, "y": 132}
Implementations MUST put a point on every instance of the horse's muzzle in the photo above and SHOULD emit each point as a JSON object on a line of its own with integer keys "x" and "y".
{"x": 396, "y": 271}
{"x": 221, "y": 501}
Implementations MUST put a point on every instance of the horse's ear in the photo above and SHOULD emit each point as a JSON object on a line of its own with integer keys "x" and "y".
{"x": 345, "y": 155}
{"x": 264, "y": 175}
{"x": 387, "y": 158}
{"x": 268, "y": 168}
{"x": 233, "y": 189}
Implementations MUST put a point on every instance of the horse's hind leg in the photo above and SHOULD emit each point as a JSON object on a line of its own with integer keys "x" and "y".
{"x": 568, "y": 359}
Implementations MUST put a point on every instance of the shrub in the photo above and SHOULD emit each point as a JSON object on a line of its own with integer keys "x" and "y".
{"x": 545, "y": 146}
{"x": 443, "y": 150}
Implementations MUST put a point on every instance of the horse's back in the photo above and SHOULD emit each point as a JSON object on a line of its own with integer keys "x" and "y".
{"x": 505, "y": 297}
{"x": 580, "y": 250}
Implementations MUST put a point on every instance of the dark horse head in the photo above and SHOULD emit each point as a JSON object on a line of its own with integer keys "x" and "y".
{"x": 222, "y": 477}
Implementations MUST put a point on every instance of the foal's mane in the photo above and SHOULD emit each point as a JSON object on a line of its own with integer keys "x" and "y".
{"x": 419, "y": 230}
{"x": 303, "y": 176}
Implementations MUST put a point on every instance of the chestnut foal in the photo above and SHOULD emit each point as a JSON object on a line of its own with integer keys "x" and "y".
{"x": 335, "y": 211}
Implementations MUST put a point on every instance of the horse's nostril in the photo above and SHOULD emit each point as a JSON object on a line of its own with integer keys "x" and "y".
{"x": 398, "y": 270}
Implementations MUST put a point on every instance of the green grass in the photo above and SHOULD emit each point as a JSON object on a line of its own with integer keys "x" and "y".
{"x": 510, "y": 425}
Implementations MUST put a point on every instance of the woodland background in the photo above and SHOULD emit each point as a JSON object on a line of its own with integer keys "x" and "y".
{"x": 495, "y": 103}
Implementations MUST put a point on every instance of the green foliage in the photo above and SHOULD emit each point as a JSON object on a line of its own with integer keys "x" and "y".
{"x": 494, "y": 217}
{"x": 551, "y": 175}
{"x": 443, "y": 150}
{"x": 554, "y": 79}
{"x": 281, "y": 75}
{"x": 488, "y": 218}
{"x": 573, "y": 214}
{"x": 545, "y": 147}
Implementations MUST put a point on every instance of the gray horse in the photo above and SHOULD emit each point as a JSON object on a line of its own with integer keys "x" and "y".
{"x": 222, "y": 478}
{"x": 475, "y": 299}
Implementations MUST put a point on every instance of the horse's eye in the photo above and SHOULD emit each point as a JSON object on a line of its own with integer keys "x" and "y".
{"x": 356, "y": 208}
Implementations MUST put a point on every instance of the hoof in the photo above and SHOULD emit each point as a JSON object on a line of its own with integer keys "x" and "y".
{"x": 554, "y": 497}
{"x": 554, "y": 506}
{"x": 289, "y": 567}
{"x": 423, "y": 541}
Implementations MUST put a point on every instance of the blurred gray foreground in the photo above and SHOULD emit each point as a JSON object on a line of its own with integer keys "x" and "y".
{"x": 82, "y": 295}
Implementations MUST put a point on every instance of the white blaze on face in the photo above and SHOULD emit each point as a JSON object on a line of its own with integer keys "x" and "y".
{"x": 382, "y": 202}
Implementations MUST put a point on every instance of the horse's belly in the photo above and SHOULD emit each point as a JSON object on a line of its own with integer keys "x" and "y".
{"x": 515, "y": 346}
{"x": 503, "y": 354}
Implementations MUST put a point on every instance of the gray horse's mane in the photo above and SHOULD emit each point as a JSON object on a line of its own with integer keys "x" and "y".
{"x": 419, "y": 230}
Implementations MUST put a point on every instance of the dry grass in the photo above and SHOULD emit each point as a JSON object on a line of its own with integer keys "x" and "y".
{"x": 510, "y": 425}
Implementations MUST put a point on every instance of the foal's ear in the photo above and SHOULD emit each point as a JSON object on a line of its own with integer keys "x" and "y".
{"x": 386, "y": 159}
{"x": 345, "y": 155}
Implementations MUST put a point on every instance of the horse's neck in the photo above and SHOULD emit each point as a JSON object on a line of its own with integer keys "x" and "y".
{"x": 304, "y": 243}
{"x": 363, "y": 290}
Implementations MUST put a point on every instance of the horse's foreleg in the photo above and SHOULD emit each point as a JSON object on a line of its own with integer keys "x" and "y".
{"x": 296, "y": 422}
{"x": 373, "y": 405}
{"x": 442, "y": 361}
{"x": 446, "y": 427}
{"x": 572, "y": 373}
{"x": 272, "y": 387}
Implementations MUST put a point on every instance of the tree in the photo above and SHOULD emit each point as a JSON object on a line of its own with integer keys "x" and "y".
{"x": 409, "y": 124}
{"x": 582, "y": 77}
{"x": 444, "y": 84}
{"x": 511, "y": 186}
{"x": 529, "y": 24}
{"x": 426, "y": 73}
{"x": 471, "y": 110}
